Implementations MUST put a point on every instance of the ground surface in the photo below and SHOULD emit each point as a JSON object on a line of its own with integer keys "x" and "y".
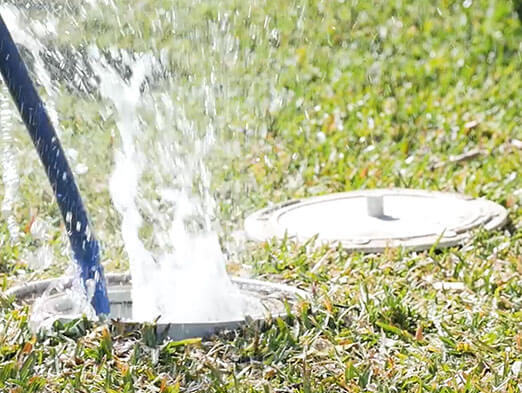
{"x": 332, "y": 96}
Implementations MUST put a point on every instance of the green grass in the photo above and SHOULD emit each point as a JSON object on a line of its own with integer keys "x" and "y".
{"x": 372, "y": 94}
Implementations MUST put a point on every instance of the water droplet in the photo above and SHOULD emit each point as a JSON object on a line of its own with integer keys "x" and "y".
{"x": 81, "y": 169}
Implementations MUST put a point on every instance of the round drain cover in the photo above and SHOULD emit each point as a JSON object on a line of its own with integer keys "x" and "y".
{"x": 372, "y": 220}
{"x": 261, "y": 300}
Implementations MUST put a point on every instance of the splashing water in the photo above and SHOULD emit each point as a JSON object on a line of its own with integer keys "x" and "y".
{"x": 170, "y": 108}
{"x": 8, "y": 164}
{"x": 15, "y": 21}
{"x": 9, "y": 155}
{"x": 185, "y": 279}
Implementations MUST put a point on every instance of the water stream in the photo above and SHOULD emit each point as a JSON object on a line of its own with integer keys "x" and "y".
{"x": 181, "y": 276}
{"x": 167, "y": 109}
{"x": 8, "y": 164}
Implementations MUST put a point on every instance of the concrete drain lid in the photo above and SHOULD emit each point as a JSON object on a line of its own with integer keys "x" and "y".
{"x": 262, "y": 300}
{"x": 372, "y": 220}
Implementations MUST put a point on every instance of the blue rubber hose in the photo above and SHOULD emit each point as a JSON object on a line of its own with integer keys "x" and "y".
{"x": 85, "y": 247}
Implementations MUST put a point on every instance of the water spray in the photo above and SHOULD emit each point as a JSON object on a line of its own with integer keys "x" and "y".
{"x": 85, "y": 247}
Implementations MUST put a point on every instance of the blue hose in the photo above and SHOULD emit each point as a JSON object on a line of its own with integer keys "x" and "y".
{"x": 84, "y": 245}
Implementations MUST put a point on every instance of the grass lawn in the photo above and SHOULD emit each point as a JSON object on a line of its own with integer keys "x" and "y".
{"x": 312, "y": 97}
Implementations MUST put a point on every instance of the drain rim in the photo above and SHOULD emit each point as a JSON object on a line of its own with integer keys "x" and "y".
{"x": 263, "y": 224}
{"x": 28, "y": 292}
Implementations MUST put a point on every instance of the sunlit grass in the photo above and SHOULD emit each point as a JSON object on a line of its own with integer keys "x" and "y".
{"x": 374, "y": 94}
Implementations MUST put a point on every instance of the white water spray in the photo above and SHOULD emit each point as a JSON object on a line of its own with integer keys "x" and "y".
{"x": 184, "y": 279}
{"x": 171, "y": 107}
{"x": 8, "y": 163}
